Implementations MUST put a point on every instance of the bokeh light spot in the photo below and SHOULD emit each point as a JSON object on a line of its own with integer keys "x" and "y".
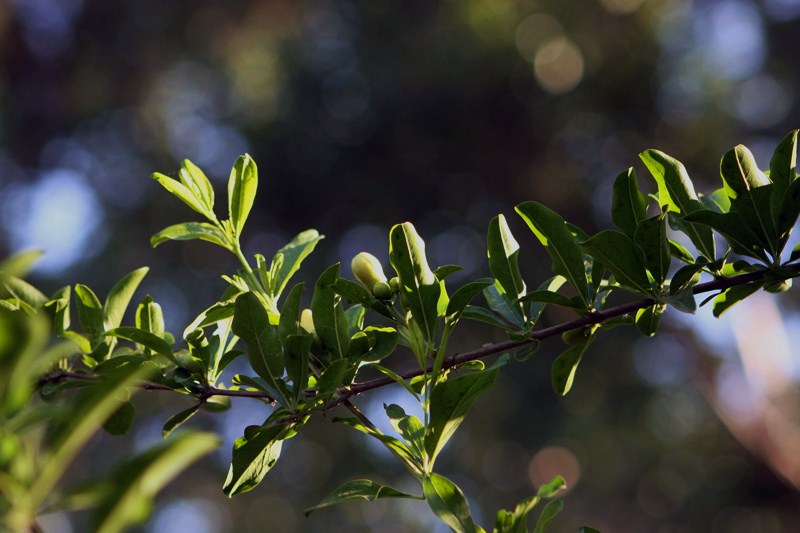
{"x": 551, "y": 462}
{"x": 558, "y": 66}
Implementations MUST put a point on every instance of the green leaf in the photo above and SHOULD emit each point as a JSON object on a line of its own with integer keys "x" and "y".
{"x": 790, "y": 209}
{"x": 183, "y": 193}
{"x": 146, "y": 339}
{"x": 418, "y": 285}
{"x": 409, "y": 427}
{"x": 120, "y": 296}
{"x": 289, "y": 323}
{"x": 57, "y": 309}
{"x": 553, "y": 487}
{"x": 394, "y": 445}
{"x": 186, "y": 231}
{"x": 334, "y": 376}
{"x": 330, "y": 320}
{"x": 554, "y": 234}
{"x": 503, "y": 252}
{"x": 296, "y": 351}
{"x": 150, "y": 318}
{"x": 17, "y": 288}
{"x": 90, "y": 311}
{"x": 216, "y": 313}
{"x": 548, "y": 513}
{"x": 732, "y": 296}
{"x": 359, "y": 489}
{"x": 383, "y": 341}
{"x": 622, "y": 257}
{"x": 740, "y": 174}
{"x": 587, "y": 529}
{"x": 292, "y": 256}
{"x": 264, "y": 350}
{"x": 628, "y": 204}
{"x": 120, "y": 422}
{"x": 550, "y": 297}
{"x": 20, "y": 263}
{"x": 503, "y": 305}
{"x": 648, "y": 318}
{"x": 242, "y": 185}
{"x": 136, "y": 482}
{"x": 461, "y": 298}
{"x": 196, "y": 181}
{"x": 177, "y": 419}
{"x": 95, "y": 403}
{"x": 566, "y": 365}
{"x": 651, "y": 238}
{"x": 676, "y": 192}
{"x": 396, "y": 377}
{"x": 782, "y": 171}
{"x": 448, "y": 503}
{"x": 741, "y": 238}
{"x": 551, "y": 285}
{"x": 449, "y": 403}
{"x": 254, "y": 454}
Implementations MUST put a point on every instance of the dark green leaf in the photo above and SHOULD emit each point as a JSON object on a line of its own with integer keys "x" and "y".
{"x": 146, "y": 339}
{"x": 242, "y": 185}
{"x": 676, "y": 192}
{"x": 480, "y": 314}
{"x": 554, "y": 234}
{"x": 622, "y": 257}
{"x": 651, "y": 238}
{"x": 503, "y": 305}
{"x": 120, "y": 296}
{"x": 394, "y": 445}
{"x": 254, "y": 454}
{"x": 334, "y": 376}
{"x": 57, "y": 309}
{"x": 628, "y": 204}
{"x": 741, "y": 238}
{"x": 648, "y": 318}
{"x": 790, "y": 209}
{"x": 120, "y": 422}
{"x": 296, "y": 350}
{"x": 740, "y": 174}
{"x": 186, "y": 231}
{"x": 551, "y": 285}
{"x": 448, "y": 503}
{"x": 330, "y": 320}
{"x": 782, "y": 168}
{"x": 550, "y": 297}
{"x": 176, "y": 420}
{"x": 289, "y": 323}
{"x": 732, "y": 296}
{"x": 216, "y": 313}
{"x": 359, "y": 489}
{"x": 418, "y": 285}
{"x": 449, "y": 403}
{"x": 443, "y": 271}
{"x": 264, "y": 350}
{"x": 461, "y": 298}
{"x": 566, "y": 365}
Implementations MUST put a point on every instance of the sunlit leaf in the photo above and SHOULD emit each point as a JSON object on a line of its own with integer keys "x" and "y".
{"x": 120, "y": 296}
{"x": 242, "y": 185}
{"x": 448, "y": 503}
{"x": 186, "y": 231}
{"x": 359, "y": 489}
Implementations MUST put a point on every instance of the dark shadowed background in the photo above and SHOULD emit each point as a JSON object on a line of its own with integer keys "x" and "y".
{"x": 363, "y": 114}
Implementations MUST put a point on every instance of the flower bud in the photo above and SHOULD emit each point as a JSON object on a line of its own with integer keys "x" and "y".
{"x": 307, "y": 321}
{"x": 382, "y": 290}
{"x": 368, "y": 270}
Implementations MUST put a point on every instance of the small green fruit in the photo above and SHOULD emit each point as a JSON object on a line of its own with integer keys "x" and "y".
{"x": 382, "y": 290}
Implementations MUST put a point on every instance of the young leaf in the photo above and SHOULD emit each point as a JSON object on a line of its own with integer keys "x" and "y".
{"x": 418, "y": 285}
{"x": 675, "y": 190}
{"x": 330, "y": 320}
{"x": 359, "y": 489}
{"x": 503, "y": 252}
{"x": 628, "y": 204}
{"x": 242, "y": 185}
{"x": 264, "y": 350}
{"x": 136, "y": 482}
{"x": 554, "y": 234}
{"x": 292, "y": 255}
{"x": 90, "y": 311}
{"x": 622, "y": 257}
{"x": 150, "y": 317}
{"x": 449, "y": 403}
{"x": 57, "y": 309}
{"x": 566, "y": 365}
{"x": 448, "y": 503}
{"x": 120, "y": 296}
{"x": 183, "y": 193}
{"x": 21, "y": 289}
{"x": 548, "y": 513}
{"x": 196, "y": 181}
{"x": 409, "y": 427}
{"x": 186, "y": 231}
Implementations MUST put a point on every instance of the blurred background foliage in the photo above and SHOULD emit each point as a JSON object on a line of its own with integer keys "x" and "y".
{"x": 362, "y": 114}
